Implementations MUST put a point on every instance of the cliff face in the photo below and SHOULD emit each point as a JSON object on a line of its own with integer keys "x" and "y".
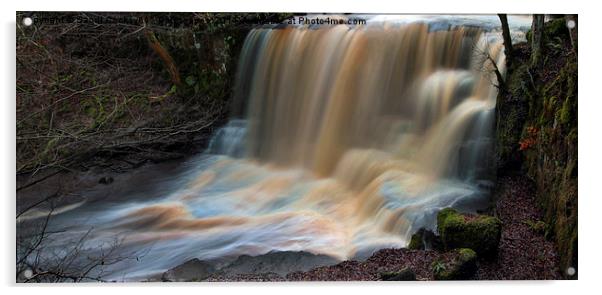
{"x": 537, "y": 132}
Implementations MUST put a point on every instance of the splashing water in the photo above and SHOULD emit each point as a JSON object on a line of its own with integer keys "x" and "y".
{"x": 350, "y": 139}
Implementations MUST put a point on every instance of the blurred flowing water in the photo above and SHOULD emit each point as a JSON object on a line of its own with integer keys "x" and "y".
{"x": 346, "y": 139}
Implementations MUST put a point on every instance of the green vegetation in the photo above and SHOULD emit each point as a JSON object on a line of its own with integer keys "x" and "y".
{"x": 480, "y": 233}
{"x": 541, "y": 141}
{"x": 416, "y": 242}
{"x": 537, "y": 226}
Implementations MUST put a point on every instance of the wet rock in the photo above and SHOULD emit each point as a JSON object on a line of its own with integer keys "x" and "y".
{"x": 480, "y": 233}
{"x": 417, "y": 241}
{"x": 425, "y": 239}
{"x": 189, "y": 271}
{"x": 281, "y": 263}
{"x": 405, "y": 274}
{"x": 106, "y": 180}
{"x": 463, "y": 266}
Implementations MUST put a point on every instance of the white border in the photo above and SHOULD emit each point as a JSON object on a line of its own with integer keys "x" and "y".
{"x": 589, "y": 143}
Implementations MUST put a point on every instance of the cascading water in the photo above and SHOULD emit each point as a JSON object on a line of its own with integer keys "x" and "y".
{"x": 351, "y": 139}
{"x": 391, "y": 122}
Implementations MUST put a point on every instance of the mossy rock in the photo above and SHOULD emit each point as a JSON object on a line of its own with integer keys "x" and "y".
{"x": 462, "y": 267}
{"x": 481, "y": 232}
{"x": 425, "y": 239}
{"x": 405, "y": 274}
{"x": 416, "y": 243}
{"x": 513, "y": 107}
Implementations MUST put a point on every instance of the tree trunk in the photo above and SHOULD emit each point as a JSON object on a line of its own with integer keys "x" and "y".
{"x": 536, "y": 39}
{"x": 165, "y": 57}
{"x": 507, "y": 39}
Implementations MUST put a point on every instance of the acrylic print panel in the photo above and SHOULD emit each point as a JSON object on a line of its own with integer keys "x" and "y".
{"x": 185, "y": 147}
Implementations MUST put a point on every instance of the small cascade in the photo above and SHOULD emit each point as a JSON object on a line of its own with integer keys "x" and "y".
{"x": 229, "y": 140}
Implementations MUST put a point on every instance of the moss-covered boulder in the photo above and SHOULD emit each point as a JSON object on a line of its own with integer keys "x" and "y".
{"x": 425, "y": 239}
{"x": 405, "y": 274}
{"x": 416, "y": 243}
{"x": 480, "y": 233}
{"x": 462, "y": 266}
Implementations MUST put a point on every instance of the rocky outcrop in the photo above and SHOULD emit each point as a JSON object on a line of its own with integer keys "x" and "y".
{"x": 272, "y": 266}
{"x": 189, "y": 271}
{"x": 536, "y": 131}
{"x": 279, "y": 262}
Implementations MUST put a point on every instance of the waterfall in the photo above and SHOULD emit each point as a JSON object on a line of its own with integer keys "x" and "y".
{"x": 343, "y": 140}
{"x": 229, "y": 140}
{"x": 388, "y": 123}
{"x": 316, "y": 96}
